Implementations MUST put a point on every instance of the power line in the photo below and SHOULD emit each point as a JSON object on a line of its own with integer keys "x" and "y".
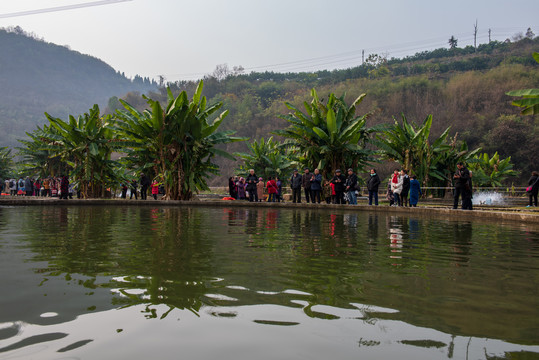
{"x": 61, "y": 8}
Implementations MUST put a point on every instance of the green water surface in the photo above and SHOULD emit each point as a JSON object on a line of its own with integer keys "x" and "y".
{"x": 247, "y": 283}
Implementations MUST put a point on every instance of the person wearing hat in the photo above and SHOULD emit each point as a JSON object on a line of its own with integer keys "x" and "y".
{"x": 351, "y": 184}
{"x": 295, "y": 185}
{"x": 316, "y": 186}
{"x": 339, "y": 181}
{"x": 306, "y": 184}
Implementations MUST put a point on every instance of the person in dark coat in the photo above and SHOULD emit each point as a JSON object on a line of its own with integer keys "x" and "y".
{"x": 232, "y": 188}
{"x": 372, "y": 185}
{"x": 415, "y": 191}
{"x": 405, "y": 187}
{"x": 534, "y": 183}
{"x": 306, "y": 184}
{"x": 295, "y": 185}
{"x": 29, "y": 186}
{"x": 144, "y": 185}
{"x": 251, "y": 181}
{"x": 351, "y": 183}
{"x": 134, "y": 186}
{"x": 339, "y": 181}
{"x": 316, "y": 186}
{"x": 462, "y": 187}
{"x": 64, "y": 187}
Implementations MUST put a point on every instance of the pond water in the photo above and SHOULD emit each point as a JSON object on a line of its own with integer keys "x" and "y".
{"x": 248, "y": 283}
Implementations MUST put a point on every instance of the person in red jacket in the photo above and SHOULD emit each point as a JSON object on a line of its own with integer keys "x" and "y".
{"x": 155, "y": 189}
{"x": 272, "y": 189}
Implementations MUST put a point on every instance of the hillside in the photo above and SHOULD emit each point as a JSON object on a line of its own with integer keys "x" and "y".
{"x": 38, "y": 77}
{"x": 462, "y": 88}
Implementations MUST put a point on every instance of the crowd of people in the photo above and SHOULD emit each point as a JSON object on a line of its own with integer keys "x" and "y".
{"x": 402, "y": 189}
{"x": 46, "y": 187}
{"x": 314, "y": 189}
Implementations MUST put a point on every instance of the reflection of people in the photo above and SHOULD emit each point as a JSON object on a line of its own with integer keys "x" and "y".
{"x": 415, "y": 190}
{"x": 462, "y": 187}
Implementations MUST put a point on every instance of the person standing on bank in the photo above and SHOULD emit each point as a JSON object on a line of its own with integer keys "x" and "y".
{"x": 405, "y": 187}
{"x": 260, "y": 189}
{"x": 64, "y": 187}
{"x": 144, "y": 185}
{"x": 272, "y": 189}
{"x": 338, "y": 181}
{"x": 415, "y": 190}
{"x": 134, "y": 186}
{"x": 372, "y": 185}
{"x": 396, "y": 187}
{"x": 462, "y": 187}
{"x": 29, "y": 186}
{"x": 534, "y": 183}
{"x": 251, "y": 181}
{"x": 316, "y": 186}
{"x": 306, "y": 184}
{"x": 351, "y": 184}
{"x": 295, "y": 185}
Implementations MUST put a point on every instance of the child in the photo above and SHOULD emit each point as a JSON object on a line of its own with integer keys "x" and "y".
{"x": 326, "y": 189}
{"x": 155, "y": 189}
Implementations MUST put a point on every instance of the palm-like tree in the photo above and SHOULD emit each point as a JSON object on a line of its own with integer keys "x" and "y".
{"x": 530, "y": 97}
{"x": 409, "y": 145}
{"x": 178, "y": 143}
{"x": 267, "y": 158}
{"x": 6, "y": 162}
{"x": 330, "y": 135}
{"x": 85, "y": 144}
{"x": 491, "y": 171}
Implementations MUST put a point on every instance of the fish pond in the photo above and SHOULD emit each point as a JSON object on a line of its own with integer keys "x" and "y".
{"x": 116, "y": 282}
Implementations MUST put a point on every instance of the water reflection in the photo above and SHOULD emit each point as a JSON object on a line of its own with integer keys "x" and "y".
{"x": 440, "y": 283}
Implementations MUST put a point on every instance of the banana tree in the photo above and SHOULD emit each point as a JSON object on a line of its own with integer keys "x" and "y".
{"x": 85, "y": 143}
{"x": 178, "y": 142}
{"x": 530, "y": 97}
{"x": 36, "y": 158}
{"x": 6, "y": 162}
{"x": 330, "y": 135}
{"x": 491, "y": 171}
{"x": 267, "y": 158}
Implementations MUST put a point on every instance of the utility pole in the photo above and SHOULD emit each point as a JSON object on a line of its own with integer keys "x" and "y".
{"x": 362, "y": 57}
{"x": 489, "y": 31}
{"x": 475, "y": 35}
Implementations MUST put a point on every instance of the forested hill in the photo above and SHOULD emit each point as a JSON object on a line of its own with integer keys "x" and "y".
{"x": 38, "y": 77}
{"x": 464, "y": 88}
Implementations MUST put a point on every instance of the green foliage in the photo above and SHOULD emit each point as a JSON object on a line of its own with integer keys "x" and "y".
{"x": 177, "y": 142}
{"x": 530, "y": 97}
{"x": 490, "y": 171}
{"x": 6, "y": 162}
{"x": 84, "y": 143}
{"x": 409, "y": 145}
{"x": 267, "y": 158}
{"x": 328, "y": 136}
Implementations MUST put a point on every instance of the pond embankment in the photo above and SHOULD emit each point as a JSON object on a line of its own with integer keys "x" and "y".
{"x": 481, "y": 213}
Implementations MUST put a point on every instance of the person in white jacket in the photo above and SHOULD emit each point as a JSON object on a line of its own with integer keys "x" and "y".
{"x": 396, "y": 186}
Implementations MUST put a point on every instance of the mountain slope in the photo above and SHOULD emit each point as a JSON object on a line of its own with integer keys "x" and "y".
{"x": 38, "y": 77}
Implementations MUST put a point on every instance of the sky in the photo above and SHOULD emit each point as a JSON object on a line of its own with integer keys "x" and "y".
{"x": 185, "y": 40}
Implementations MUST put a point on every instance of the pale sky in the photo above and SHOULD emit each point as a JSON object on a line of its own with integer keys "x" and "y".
{"x": 182, "y": 39}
